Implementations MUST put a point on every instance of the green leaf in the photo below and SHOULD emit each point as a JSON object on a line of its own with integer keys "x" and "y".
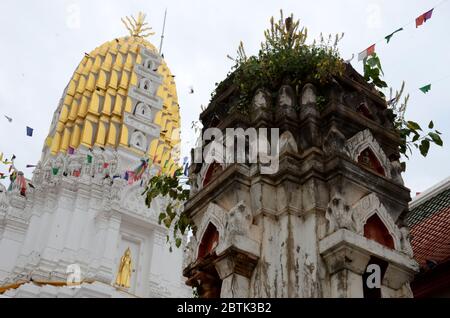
{"x": 413, "y": 125}
{"x": 424, "y": 147}
{"x": 161, "y": 217}
{"x": 436, "y": 138}
{"x": 431, "y": 125}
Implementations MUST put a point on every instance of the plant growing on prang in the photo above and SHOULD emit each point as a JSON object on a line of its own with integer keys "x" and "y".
{"x": 284, "y": 58}
{"x": 171, "y": 188}
{"x": 410, "y": 132}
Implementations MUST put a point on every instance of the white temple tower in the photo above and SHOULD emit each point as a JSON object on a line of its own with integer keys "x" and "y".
{"x": 116, "y": 125}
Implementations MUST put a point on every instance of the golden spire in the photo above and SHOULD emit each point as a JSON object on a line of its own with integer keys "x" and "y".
{"x": 137, "y": 27}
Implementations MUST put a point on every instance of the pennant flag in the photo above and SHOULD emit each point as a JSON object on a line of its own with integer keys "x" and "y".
{"x": 70, "y": 151}
{"x": 13, "y": 157}
{"x": 31, "y": 186}
{"x": 427, "y": 15}
{"x": 89, "y": 159}
{"x": 388, "y": 37}
{"x": 30, "y": 166}
{"x": 29, "y": 131}
{"x": 1, "y": 156}
{"x": 425, "y": 88}
{"x": 55, "y": 171}
{"x": 105, "y": 165}
{"x": 423, "y": 18}
{"x": 369, "y": 51}
{"x": 8, "y": 118}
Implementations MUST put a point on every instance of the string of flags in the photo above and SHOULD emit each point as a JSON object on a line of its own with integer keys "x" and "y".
{"x": 420, "y": 20}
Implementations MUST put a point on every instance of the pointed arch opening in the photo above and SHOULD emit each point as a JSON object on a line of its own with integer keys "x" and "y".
{"x": 374, "y": 229}
{"x": 213, "y": 171}
{"x": 368, "y": 159}
{"x": 209, "y": 241}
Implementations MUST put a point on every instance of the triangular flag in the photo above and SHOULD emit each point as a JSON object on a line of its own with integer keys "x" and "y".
{"x": 13, "y": 157}
{"x": 55, "y": 171}
{"x": 423, "y": 18}
{"x": 70, "y": 151}
{"x": 369, "y": 51}
{"x": 425, "y": 88}
{"x": 105, "y": 165}
{"x": 427, "y": 15}
{"x": 89, "y": 159}
{"x": 388, "y": 37}
{"x": 29, "y": 131}
{"x": 419, "y": 20}
{"x": 1, "y": 156}
{"x": 8, "y": 118}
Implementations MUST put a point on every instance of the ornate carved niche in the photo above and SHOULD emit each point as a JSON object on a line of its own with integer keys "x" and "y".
{"x": 375, "y": 229}
{"x": 138, "y": 140}
{"x": 211, "y": 172}
{"x": 368, "y": 159}
{"x": 143, "y": 110}
{"x": 364, "y": 149}
{"x": 209, "y": 241}
{"x": 364, "y": 110}
{"x": 374, "y": 222}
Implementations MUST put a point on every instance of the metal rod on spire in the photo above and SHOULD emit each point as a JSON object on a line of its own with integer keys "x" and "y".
{"x": 162, "y": 34}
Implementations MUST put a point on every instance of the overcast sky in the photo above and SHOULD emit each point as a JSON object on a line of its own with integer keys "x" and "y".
{"x": 43, "y": 42}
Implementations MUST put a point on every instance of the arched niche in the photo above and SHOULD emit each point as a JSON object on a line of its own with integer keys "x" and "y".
{"x": 209, "y": 241}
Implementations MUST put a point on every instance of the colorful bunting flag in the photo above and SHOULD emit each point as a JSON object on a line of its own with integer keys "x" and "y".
{"x": 369, "y": 51}
{"x": 89, "y": 159}
{"x": 13, "y": 157}
{"x": 105, "y": 165}
{"x": 70, "y": 151}
{"x": 388, "y": 37}
{"x": 425, "y": 88}
{"x": 29, "y": 131}
{"x": 55, "y": 171}
{"x": 423, "y": 18}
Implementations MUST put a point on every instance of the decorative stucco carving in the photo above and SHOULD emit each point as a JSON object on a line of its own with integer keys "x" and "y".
{"x": 287, "y": 142}
{"x": 363, "y": 140}
{"x": 261, "y": 100}
{"x": 334, "y": 141}
{"x": 237, "y": 222}
{"x": 308, "y": 94}
{"x": 339, "y": 215}
{"x": 286, "y": 97}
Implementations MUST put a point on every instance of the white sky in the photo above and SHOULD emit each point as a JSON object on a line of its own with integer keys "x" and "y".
{"x": 43, "y": 42}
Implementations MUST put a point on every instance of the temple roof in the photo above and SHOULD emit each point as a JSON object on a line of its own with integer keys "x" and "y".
{"x": 429, "y": 220}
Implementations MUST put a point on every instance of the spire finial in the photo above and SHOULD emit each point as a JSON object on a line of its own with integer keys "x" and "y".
{"x": 137, "y": 27}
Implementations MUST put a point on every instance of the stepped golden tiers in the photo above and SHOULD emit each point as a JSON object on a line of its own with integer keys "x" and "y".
{"x": 96, "y": 100}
